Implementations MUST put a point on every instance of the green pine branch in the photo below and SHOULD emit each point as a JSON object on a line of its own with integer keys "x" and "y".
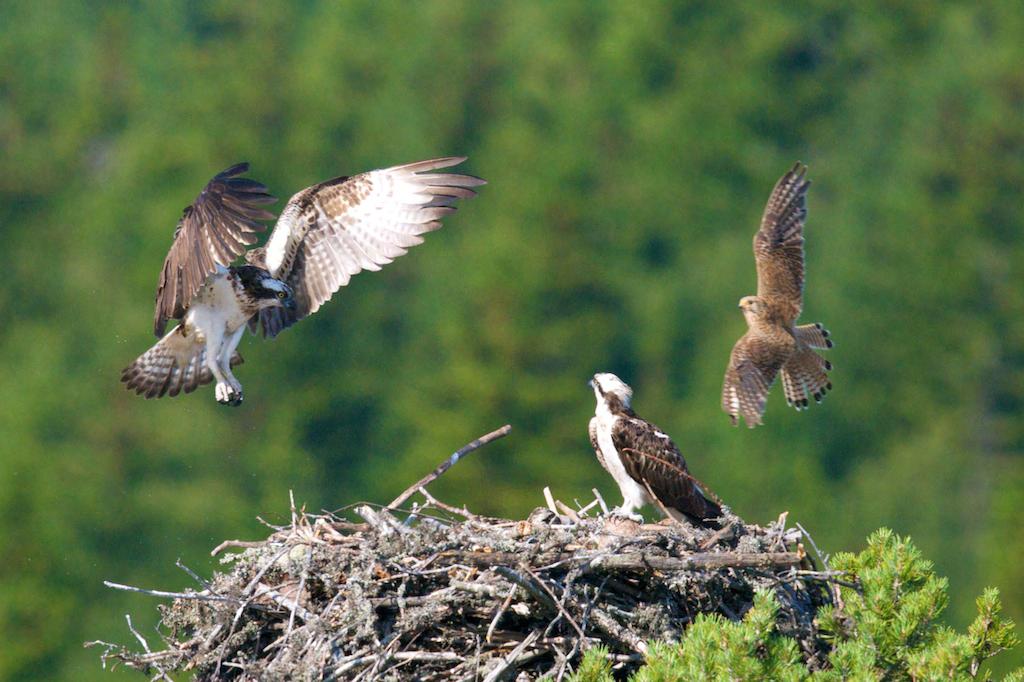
{"x": 884, "y": 629}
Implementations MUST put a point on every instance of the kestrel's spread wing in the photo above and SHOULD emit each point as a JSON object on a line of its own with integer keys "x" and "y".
{"x": 753, "y": 364}
{"x": 214, "y": 230}
{"x": 329, "y": 232}
{"x": 779, "y": 244}
{"x": 651, "y": 458}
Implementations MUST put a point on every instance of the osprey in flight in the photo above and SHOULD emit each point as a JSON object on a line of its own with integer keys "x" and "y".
{"x": 772, "y": 342}
{"x": 326, "y": 234}
{"x": 642, "y": 459}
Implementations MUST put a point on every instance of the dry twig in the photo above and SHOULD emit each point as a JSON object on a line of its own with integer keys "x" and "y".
{"x": 449, "y": 463}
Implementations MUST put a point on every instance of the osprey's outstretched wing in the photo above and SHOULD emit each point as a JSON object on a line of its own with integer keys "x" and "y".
{"x": 653, "y": 460}
{"x": 333, "y": 230}
{"x": 213, "y": 231}
{"x": 779, "y": 243}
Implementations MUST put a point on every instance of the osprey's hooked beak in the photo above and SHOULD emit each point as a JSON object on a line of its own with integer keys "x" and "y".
{"x": 289, "y": 303}
{"x": 590, "y": 383}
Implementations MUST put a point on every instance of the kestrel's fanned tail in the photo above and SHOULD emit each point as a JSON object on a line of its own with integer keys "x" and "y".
{"x": 814, "y": 335}
{"x": 805, "y": 376}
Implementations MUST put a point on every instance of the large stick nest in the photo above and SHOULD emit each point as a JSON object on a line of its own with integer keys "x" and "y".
{"x": 438, "y": 593}
{"x": 436, "y": 596}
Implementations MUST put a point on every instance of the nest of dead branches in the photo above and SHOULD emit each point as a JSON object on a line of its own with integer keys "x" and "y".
{"x": 431, "y": 592}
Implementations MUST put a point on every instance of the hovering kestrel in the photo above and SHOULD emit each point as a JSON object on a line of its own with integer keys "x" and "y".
{"x": 772, "y": 342}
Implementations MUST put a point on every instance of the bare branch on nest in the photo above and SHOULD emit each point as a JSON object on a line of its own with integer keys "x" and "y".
{"x": 449, "y": 463}
{"x": 202, "y": 596}
{"x": 242, "y": 544}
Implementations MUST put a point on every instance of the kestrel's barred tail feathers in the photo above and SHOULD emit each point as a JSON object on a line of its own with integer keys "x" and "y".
{"x": 176, "y": 363}
{"x": 814, "y": 335}
{"x": 805, "y": 376}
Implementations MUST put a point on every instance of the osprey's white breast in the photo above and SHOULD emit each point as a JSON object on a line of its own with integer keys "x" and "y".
{"x": 634, "y": 495}
{"x": 216, "y": 306}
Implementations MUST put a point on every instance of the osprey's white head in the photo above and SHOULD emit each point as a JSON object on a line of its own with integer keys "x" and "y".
{"x": 609, "y": 388}
{"x": 272, "y": 293}
{"x": 265, "y": 291}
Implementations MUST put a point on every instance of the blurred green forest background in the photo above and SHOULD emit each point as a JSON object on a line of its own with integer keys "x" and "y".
{"x": 630, "y": 147}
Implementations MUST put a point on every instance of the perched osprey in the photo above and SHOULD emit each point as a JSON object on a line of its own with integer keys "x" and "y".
{"x": 326, "y": 234}
{"x": 772, "y": 342}
{"x": 642, "y": 459}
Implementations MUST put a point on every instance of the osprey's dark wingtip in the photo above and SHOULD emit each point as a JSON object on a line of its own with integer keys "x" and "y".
{"x": 237, "y": 169}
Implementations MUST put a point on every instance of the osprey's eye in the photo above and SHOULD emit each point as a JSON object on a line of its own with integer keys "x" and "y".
{"x": 281, "y": 294}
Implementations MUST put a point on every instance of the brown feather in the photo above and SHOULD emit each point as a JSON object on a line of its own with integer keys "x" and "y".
{"x": 805, "y": 377}
{"x": 656, "y": 463}
{"x": 755, "y": 361}
{"x": 779, "y": 244}
{"x": 814, "y": 335}
{"x": 214, "y": 230}
{"x": 336, "y": 229}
